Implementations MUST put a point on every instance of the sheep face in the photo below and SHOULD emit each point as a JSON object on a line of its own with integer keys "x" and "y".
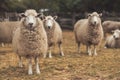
{"x": 94, "y": 18}
{"x": 116, "y": 34}
{"x": 30, "y": 18}
{"x": 49, "y": 21}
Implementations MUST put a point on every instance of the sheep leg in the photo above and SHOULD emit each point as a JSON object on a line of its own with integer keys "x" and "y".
{"x": 105, "y": 46}
{"x": 78, "y": 47}
{"x": 30, "y": 66}
{"x": 2, "y": 44}
{"x": 60, "y": 49}
{"x": 95, "y": 53}
{"x": 45, "y": 55}
{"x": 37, "y": 65}
{"x": 105, "y": 35}
{"x": 89, "y": 51}
{"x": 20, "y": 61}
{"x": 49, "y": 51}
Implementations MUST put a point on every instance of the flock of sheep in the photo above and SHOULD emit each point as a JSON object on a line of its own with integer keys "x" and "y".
{"x": 33, "y": 36}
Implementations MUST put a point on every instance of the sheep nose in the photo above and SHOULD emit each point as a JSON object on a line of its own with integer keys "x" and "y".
{"x": 30, "y": 24}
{"x": 48, "y": 27}
{"x": 114, "y": 36}
{"x": 95, "y": 22}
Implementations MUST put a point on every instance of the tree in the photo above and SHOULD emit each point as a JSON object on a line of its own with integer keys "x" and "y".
{"x": 4, "y": 5}
{"x": 61, "y": 5}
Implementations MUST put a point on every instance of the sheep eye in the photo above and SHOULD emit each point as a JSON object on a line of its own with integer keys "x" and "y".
{"x": 23, "y": 15}
{"x": 88, "y": 15}
{"x": 36, "y": 16}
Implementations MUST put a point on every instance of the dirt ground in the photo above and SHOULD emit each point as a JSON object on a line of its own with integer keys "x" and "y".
{"x": 73, "y": 66}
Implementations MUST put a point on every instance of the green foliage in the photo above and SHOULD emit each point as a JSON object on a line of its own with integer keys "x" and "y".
{"x": 61, "y": 5}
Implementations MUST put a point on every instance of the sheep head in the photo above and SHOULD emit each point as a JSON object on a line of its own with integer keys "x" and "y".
{"x": 94, "y": 19}
{"x": 49, "y": 21}
{"x": 116, "y": 34}
{"x": 30, "y": 18}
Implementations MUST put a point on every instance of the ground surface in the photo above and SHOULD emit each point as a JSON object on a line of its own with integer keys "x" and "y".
{"x": 74, "y": 66}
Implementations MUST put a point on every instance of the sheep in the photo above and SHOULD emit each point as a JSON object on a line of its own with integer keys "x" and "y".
{"x": 113, "y": 41}
{"x": 30, "y": 39}
{"x": 54, "y": 34}
{"x": 6, "y": 31}
{"x": 89, "y": 32}
{"x": 109, "y": 26}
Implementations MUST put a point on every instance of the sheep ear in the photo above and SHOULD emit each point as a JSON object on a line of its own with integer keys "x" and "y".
{"x": 42, "y": 17}
{"x": 39, "y": 14}
{"x": 112, "y": 31}
{"x": 100, "y": 14}
{"x": 55, "y": 17}
{"x": 22, "y": 15}
{"x": 88, "y": 15}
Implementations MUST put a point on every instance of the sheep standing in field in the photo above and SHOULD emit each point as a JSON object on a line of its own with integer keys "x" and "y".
{"x": 6, "y": 31}
{"x": 30, "y": 39}
{"x": 113, "y": 41}
{"x": 89, "y": 32}
{"x": 109, "y": 26}
{"x": 54, "y": 33}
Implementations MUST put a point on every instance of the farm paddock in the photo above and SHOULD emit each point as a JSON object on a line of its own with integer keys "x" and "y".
{"x": 73, "y": 66}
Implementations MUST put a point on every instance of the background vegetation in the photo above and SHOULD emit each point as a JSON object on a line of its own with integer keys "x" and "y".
{"x": 61, "y": 5}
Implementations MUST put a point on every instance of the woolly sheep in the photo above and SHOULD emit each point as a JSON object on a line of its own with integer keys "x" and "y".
{"x": 30, "y": 39}
{"x": 109, "y": 26}
{"x": 54, "y": 33}
{"x": 89, "y": 32}
{"x": 113, "y": 41}
{"x": 6, "y": 31}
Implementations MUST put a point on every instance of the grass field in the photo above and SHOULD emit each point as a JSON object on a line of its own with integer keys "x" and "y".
{"x": 73, "y": 66}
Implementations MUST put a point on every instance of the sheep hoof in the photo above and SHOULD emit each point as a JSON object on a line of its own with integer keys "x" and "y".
{"x": 105, "y": 47}
{"x": 30, "y": 73}
{"x": 38, "y": 72}
{"x": 90, "y": 54}
{"x": 3, "y": 45}
{"x": 62, "y": 54}
{"x": 21, "y": 66}
{"x": 95, "y": 54}
{"x": 50, "y": 56}
{"x": 44, "y": 56}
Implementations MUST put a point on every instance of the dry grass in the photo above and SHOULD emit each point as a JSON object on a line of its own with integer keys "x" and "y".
{"x": 74, "y": 66}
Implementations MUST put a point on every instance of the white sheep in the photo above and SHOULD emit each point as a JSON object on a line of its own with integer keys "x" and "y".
{"x": 109, "y": 26}
{"x": 89, "y": 32}
{"x": 6, "y": 31}
{"x": 30, "y": 39}
{"x": 54, "y": 33}
{"x": 113, "y": 41}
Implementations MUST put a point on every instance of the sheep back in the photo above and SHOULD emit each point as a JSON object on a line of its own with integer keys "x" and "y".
{"x": 108, "y": 26}
{"x": 6, "y": 30}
